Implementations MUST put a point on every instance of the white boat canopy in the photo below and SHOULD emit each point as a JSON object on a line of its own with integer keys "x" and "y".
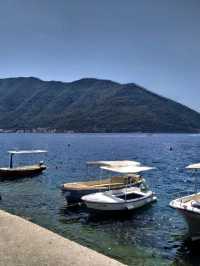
{"x": 131, "y": 169}
{"x": 114, "y": 163}
{"x": 27, "y": 151}
{"x": 193, "y": 166}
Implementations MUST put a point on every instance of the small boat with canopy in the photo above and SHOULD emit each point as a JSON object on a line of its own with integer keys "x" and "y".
{"x": 189, "y": 207}
{"x": 19, "y": 171}
{"x": 74, "y": 191}
{"x": 125, "y": 199}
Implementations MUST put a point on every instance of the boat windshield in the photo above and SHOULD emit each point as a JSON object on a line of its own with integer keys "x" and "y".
{"x": 130, "y": 196}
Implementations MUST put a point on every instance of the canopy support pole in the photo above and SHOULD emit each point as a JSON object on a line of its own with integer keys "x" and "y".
{"x": 11, "y": 160}
{"x": 195, "y": 186}
{"x": 126, "y": 190}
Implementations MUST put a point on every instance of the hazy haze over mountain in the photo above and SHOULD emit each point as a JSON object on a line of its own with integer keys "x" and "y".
{"x": 154, "y": 43}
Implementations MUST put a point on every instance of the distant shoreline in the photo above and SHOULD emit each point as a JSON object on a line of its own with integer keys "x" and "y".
{"x": 57, "y": 131}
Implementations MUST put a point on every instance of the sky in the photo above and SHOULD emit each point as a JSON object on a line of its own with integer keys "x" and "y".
{"x": 154, "y": 43}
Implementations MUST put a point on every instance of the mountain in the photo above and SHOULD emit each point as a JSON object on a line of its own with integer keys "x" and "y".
{"x": 90, "y": 105}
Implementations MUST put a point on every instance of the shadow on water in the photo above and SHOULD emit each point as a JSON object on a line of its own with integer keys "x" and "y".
{"x": 188, "y": 252}
{"x": 112, "y": 217}
{"x": 18, "y": 178}
{"x": 73, "y": 212}
{"x": 79, "y": 210}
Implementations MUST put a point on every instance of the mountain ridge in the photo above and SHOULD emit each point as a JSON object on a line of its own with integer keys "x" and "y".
{"x": 90, "y": 105}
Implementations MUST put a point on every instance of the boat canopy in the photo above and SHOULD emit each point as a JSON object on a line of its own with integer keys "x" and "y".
{"x": 27, "y": 151}
{"x": 114, "y": 163}
{"x": 131, "y": 169}
{"x": 193, "y": 166}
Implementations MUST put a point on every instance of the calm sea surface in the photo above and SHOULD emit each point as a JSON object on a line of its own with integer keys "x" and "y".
{"x": 152, "y": 236}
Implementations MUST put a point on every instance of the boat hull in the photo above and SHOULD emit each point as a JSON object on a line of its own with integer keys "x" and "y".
{"x": 73, "y": 196}
{"x": 116, "y": 207}
{"x": 193, "y": 222}
{"x": 13, "y": 173}
{"x": 190, "y": 213}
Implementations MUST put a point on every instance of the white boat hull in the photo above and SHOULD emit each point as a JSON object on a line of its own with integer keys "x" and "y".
{"x": 190, "y": 214}
{"x": 112, "y": 201}
{"x": 193, "y": 222}
{"x": 119, "y": 206}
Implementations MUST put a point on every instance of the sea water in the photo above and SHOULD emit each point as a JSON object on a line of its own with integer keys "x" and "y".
{"x": 152, "y": 236}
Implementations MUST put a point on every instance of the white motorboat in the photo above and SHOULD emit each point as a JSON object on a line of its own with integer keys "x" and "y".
{"x": 189, "y": 208}
{"x": 125, "y": 199}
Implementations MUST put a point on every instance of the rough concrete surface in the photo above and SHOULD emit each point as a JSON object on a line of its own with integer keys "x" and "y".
{"x": 23, "y": 243}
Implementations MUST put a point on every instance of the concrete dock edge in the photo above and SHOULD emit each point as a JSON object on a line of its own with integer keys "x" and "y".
{"x": 23, "y": 243}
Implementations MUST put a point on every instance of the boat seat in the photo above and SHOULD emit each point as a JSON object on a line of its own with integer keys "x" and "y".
{"x": 195, "y": 204}
{"x": 125, "y": 179}
{"x": 108, "y": 184}
{"x": 117, "y": 179}
{"x": 89, "y": 186}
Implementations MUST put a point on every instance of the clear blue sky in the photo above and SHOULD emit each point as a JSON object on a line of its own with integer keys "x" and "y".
{"x": 155, "y": 43}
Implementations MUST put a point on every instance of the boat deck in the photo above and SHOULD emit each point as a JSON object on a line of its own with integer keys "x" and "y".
{"x": 113, "y": 182}
{"x": 187, "y": 203}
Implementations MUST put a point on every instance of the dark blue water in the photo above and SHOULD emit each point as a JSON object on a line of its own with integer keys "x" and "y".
{"x": 153, "y": 236}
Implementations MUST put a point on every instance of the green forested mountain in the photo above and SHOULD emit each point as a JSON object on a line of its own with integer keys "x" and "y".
{"x": 90, "y": 105}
